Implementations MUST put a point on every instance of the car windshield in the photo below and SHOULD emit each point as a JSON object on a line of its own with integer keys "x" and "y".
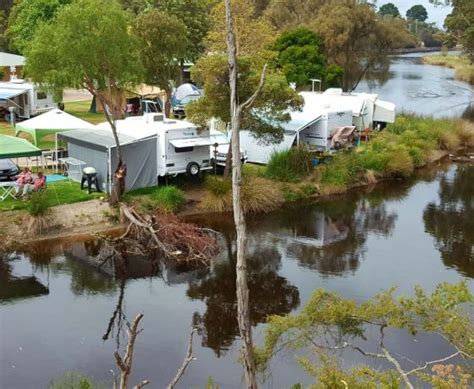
{"x": 6, "y": 164}
{"x": 219, "y": 138}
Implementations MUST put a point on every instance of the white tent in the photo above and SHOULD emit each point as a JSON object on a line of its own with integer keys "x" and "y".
{"x": 51, "y": 122}
{"x": 186, "y": 90}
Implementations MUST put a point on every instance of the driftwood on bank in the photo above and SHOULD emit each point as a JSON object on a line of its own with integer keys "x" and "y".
{"x": 163, "y": 235}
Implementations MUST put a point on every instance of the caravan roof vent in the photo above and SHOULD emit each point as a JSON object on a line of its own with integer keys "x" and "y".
{"x": 169, "y": 122}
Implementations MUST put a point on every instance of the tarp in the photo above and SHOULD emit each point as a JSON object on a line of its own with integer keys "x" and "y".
{"x": 51, "y": 122}
{"x": 191, "y": 142}
{"x": 11, "y": 147}
{"x": 6, "y": 93}
{"x": 260, "y": 152}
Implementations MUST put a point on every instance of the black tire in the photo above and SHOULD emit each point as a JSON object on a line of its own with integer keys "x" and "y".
{"x": 193, "y": 169}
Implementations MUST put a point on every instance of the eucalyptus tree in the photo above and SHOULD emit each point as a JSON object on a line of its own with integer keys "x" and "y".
{"x": 89, "y": 45}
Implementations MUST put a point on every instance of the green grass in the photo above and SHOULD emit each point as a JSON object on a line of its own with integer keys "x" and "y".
{"x": 165, "y": 198}
{"x": 464, "y": 70}
{"x": 289, "y": 165}
{"x": 57, "y": 193}
{"x": 81, "y": 110}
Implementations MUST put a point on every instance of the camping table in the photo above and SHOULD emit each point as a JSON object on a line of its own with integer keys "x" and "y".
{"x": 7, "y": 189}
{"x": 73, "y": 167}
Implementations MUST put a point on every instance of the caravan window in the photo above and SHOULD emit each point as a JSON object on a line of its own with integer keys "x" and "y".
{"x": 41, "y": 95}
{"x": 183, "y": 149}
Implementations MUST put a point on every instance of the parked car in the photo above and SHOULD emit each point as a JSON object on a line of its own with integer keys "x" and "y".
{"x": 223, "y": 143}
{"x": 179, "y": 108}
{"x": 8, "y": 169}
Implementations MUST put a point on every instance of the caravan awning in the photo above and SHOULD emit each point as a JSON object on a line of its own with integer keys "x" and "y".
{"x": 191, "y": 142}
{"x": 6, "y": 94}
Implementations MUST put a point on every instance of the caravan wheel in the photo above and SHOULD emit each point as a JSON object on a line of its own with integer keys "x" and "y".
{"x": 193, "y": 169}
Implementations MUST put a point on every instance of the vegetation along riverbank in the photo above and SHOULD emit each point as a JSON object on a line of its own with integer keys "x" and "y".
{"x": 464, "y": 69}
{"x": 410, "y": 143}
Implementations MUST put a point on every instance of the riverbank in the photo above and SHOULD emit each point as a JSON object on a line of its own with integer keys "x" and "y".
{"x": 395, "y": 153}
{"x": 464, "y": 70}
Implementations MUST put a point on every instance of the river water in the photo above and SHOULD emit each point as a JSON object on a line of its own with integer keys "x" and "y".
{"x": 55, "y": 309}
{"x": 423, "y": 89}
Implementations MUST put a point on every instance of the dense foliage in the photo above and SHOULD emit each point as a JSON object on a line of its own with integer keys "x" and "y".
{"x": 389, "y": 9}
{"x": 417, "y": 12}
{"x": 329, "y": 322}
{"x": 299, "y": 55}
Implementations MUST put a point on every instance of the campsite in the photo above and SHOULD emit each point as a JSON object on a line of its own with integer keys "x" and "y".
{"x": 236, "y": 194}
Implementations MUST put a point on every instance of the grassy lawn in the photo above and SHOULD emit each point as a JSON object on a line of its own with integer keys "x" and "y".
{"x": 62, "y": 192}
{"x": 81, "y": 110}
{"x": 464, "y": 70}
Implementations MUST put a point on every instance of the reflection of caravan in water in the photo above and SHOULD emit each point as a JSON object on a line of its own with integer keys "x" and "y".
{"x": 25, "y": 97}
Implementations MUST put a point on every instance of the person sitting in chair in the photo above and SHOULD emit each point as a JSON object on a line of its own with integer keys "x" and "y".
{"x": 23, "y": 179}
{"x": 38, "y": 185}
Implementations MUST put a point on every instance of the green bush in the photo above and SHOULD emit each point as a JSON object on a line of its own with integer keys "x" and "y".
{"x": 218, "y": 186}
{"x": 168, "y": 198}
{"x": 38, "y": 204}
{"x": 289, "y": 165}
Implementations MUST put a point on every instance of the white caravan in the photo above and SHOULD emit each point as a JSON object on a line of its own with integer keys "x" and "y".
{"x": 311, "y": 127}
{"x": 180, "y": 147}
{"x": 367, "y": 110}
{"x": 26, "y": 97}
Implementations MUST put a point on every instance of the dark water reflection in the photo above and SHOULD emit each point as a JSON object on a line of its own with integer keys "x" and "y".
{"x": 450, "y": 220}
{"x": 58, "y": 312}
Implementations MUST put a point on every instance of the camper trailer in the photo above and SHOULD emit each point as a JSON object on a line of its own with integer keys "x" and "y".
{"x": 26, "y": 98}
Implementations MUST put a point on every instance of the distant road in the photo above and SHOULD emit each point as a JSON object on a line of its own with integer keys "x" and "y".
{"x": 75, "y": 95}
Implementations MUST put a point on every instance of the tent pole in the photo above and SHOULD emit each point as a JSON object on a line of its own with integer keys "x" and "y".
{"x": 56, "y": 151}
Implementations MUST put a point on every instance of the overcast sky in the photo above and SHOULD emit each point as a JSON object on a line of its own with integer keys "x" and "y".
{"x": 435, "y": 14}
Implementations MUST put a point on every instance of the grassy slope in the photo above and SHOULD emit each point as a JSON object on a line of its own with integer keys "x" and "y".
{"x": 62, "y": 192}
{"x": 464, "y": 70}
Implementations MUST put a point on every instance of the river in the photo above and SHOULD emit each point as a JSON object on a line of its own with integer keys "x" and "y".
{"x": 55, "y": 308}
{"x": 423, "y": 89}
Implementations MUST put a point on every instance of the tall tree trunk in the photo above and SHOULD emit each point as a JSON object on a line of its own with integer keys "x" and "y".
{"x": 228, "y": 161}
{"x": 243, "y": 309}
{"x": 168, "y": 103}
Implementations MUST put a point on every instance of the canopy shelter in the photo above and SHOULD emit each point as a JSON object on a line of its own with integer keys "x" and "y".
{"x": 7, "y": 94}
{"x": 11, "y": 147}
{"x": 50, "y": 122}
{"x": 97, "y": 148}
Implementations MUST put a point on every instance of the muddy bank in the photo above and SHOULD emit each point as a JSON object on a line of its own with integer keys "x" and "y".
{"x": 85, "y": 220}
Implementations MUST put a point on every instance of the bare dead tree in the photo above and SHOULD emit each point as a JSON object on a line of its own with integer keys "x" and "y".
{"x": 243, "y": 309}
{"x": 187, "y": 360}
{"x": 125, "y": 363}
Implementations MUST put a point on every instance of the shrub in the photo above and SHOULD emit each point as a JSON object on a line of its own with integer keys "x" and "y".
{"x": 38, "y": 204}
{"x": 400, "y": 163}
{"x": 303, "y": 192}
{"x": 168, "y": 198}
{"x": 289, "y": 165}
{"x": 218, "y": 186}
{"x": 465, "y": 132}
{"x": 258, "y": 195}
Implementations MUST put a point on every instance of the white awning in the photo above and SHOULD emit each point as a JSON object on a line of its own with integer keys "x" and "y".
{"x": 6, "y": 94}
{"x": 191, "y": 142}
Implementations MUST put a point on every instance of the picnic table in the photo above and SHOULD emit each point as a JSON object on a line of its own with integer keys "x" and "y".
{"x": 73, "y": 167}
{"x": 7, "y": 189}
